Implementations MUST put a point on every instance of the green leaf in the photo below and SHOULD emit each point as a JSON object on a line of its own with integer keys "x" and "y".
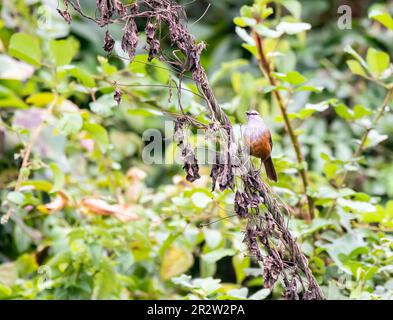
{"x": 175, "y": 262}
{"x": 103, "y": 105}
{"x": 309, "y": 88}
{"x": 260, "y": 294}
{"x": 379, "y": 14}
{"x": 25, "y": 47}
{"x": 99, "y": 133}
{"x": 266, "y": 32}
{"x": 348, "y": 49}
{"x": 83, "y": 76}
{"x": 63, "y": 51}
{"x": 58, "y": 178}
{"x": 5, "y": 291}
{"x": 356, "y": 68}
{"x": 144, "y": 112}
{"x": 310, "y": 109}
{"x": 244, "y": 22}
{"x": 200, "y": 200}
{"x": 213, "y": 238}
{"x": 40, "y": 99}
{"x": 16, "y": 197}
{"x": 105, "y": 282}
{"x": 70, "y": 123}
{"x": 377, "y": 61}
{"x": 295, "y": 78}
{"x": 360, "y": 111}
{"x": 293, "y": 27}
{"x": 374, "y": 138}
{"x": 246, "y": 11}
{"x": 40, "y": 185}
{"x": 214, "y": 256}
{"x": 344, "y": 112}
{"x": 294, "y": 7}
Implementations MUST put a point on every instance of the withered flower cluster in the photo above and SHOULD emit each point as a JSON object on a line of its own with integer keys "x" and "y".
{"x": 266, "y": 235}
{"x": 190, "y": 162}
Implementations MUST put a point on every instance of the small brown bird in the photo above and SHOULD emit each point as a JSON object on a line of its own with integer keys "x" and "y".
{"x": 258, "y": 139}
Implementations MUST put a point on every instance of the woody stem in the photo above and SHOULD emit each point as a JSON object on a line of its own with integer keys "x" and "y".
{"x": 267, "y": 71}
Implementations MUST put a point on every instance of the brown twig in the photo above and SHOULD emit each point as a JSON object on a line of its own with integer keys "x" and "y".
{"x": 25, "y": 162}
{"x": 267, "y": 71}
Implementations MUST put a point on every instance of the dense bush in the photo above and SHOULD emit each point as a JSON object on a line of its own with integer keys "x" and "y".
{"x": 90, "y": 220}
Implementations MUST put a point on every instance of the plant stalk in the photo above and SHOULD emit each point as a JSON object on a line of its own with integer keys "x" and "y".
{"x": 266, "y": 70}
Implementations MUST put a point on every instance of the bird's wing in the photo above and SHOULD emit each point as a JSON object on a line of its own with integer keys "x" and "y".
{"x": 270, "y": 140}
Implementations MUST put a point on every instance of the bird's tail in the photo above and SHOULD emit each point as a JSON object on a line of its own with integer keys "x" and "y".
{"x": 270, "y": 170}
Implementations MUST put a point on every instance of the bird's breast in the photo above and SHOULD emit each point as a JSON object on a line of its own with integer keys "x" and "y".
{"x": 257, "y": 139}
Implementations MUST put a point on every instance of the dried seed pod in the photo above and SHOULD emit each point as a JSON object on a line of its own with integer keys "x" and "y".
{"x": 64, "y": 13}
{"x": 190, "y": 164}
{"x": 152, "y": 41}
{"x": 109, "y": 43}
{"x": 119, "y": 7}
{"x": 106, "y": 9}
{"x": 271, "y": 271}
{"x": 291, "y": 290}
{"x": 130, "y": 38}
{"x": 241, "y": 204}
{"x": 117, "y": 96}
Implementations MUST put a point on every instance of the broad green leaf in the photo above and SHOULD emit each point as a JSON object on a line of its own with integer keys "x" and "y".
{"x": 246, "y": 11}
{"x": 214, "y": 256}
{"x": 293, "y": 27}
{"x": 377, "y": 61}
{"x": 244, "y": 22}
{"x": 16, "y": 197}
{"x": 8, "y": 273}
{"x": 310, "y": 109}
{"x": 105, "y": 282}
{"x": 260, "y": 294}
{"x": 240, "y": 262}
{"x": 200, "y": 200}
{"x": 344, "y": 112}
{"x": 309, "y": 88}
{"x": 40, "y": 185}
{"x": 175, "y": 262}
{"x": 58, "y": 178}
{"x": 212, "y": 237}
{"x": 5, "y": 291}
{"x": 41, "y": 99}
{"x": 379, "y": 14}
{"x": 70, "y": 123}
{"x": 266, "y": 32}
{"x": 145, "y": 112}
{"x": 356, "y": 68}
{"x": 360, "y": 111}
{"x": 63, "y": 51}
{"x": 25, "y": 47}
{"x": 266, "y": 12}
{"x": 348, "y": 49}
{"x": 104, "y": 105}
{"x": 83, "y": 76}
{"x": 374, "y": 138}
{"x": 99, "y": 134}
{"x": 294, "y": 7}
{"x": 295, "y": 78}
{"x": 243, "y": 34}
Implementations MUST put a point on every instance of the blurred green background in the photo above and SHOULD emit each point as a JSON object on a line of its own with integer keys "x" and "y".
{"x": 92, "y": 221}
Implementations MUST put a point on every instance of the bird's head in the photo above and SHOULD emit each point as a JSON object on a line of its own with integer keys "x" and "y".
{"x": 252, "y": 114}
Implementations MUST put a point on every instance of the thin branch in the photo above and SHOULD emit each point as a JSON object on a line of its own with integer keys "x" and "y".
{"x": 266, "y": 70}
{"x": 26, "y": 157}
